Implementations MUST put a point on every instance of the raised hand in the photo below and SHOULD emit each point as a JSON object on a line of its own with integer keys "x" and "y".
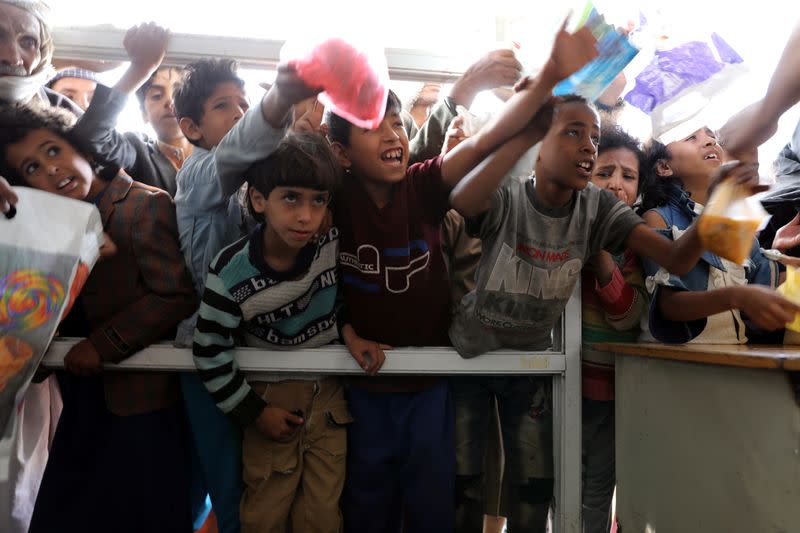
{"x": 571, "y": 52}
{"x": 146, "y": 46}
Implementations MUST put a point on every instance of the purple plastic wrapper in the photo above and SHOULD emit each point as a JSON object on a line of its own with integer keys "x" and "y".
{"x": 679, "y": 68}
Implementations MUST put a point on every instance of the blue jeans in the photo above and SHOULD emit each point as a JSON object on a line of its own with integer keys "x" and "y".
{"x": 400, "y": 463}
{"x": 217, "y": 461}
{"x": 526, "y": 422}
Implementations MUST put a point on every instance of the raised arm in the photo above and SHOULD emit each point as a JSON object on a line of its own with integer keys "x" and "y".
{"x": 571, "y": 51}
{"x": 96, "y": 131}
{"x": 751, "y": 127}
{"x": 258, "y": 133}
{"x": 472, "y": 196}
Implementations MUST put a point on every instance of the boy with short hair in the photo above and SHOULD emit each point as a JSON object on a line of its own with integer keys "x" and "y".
{"x": 120, "y": 437}
{"x": 536, "y": 236}
{"x": 213, "y": 114}
{"x": 400, "y": 466}
{"x": 152, "y": 161}
{"x": 277, "y": 288}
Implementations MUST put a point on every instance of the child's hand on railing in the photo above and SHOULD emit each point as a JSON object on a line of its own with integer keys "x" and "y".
{"x": 278, "y": 424}
{"x": 368, "y": 354}
{"x": 83, "y": 359}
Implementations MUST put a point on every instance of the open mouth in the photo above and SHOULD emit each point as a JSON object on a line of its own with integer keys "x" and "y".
{"x": 585, "y": 168}
{"x": 712, "y": 156}
{"x": 67, "y": 184}
{"x": 393, "y": 156}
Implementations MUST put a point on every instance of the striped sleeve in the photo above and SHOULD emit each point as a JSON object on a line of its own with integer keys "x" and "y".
{"x": 217, "y": 321}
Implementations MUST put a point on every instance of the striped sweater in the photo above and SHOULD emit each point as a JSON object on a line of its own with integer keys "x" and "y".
{"x": 244, "y": 297}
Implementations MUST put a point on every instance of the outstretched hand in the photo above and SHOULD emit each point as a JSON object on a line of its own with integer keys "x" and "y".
{"x": 742, "y": 173}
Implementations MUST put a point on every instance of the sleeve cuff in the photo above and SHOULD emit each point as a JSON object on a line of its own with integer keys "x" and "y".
{"x": 110, "y": 344}
{"x": 248, "y": 409}
{"x": 611, "y": 292}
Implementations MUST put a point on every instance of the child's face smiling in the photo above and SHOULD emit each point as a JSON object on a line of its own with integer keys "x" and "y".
{"x": 569, "y": 149}
{"x": 380, "y": 155}
{"x": 46, "y": 161}
{"x": 617, "y": 170}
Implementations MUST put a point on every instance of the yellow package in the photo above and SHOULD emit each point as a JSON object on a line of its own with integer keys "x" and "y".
{"x": 790, "y": 289}
{"x": 729, "y": 222}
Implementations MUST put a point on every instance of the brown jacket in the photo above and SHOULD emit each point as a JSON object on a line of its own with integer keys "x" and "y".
{"x": 139, "y": 295}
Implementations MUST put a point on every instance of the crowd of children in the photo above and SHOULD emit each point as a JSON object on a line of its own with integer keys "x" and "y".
{"x": 340, "y": 235}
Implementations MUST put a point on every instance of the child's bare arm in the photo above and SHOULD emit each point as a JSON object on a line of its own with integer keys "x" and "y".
{"x": 472, "y": 196}
{"x": 570, "y": 53}
{"x": 756, "y": 123}
{"x": 763, "y": 306}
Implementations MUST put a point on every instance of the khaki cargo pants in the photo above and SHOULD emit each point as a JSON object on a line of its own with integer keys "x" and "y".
{"x": 295, "y": 485}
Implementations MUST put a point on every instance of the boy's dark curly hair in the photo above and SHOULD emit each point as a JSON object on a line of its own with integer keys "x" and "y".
{"x": 199, "y": 82}
{"x": 18, "y": 120}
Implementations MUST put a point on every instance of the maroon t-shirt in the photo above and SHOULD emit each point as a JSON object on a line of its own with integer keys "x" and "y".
{"x": 393, "y": 272}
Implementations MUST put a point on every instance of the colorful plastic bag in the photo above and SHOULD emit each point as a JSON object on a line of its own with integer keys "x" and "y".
{"x": 46, "y": 253}
{"x": 615, "y": 51}
{"x": 729, "y": 222}
{"x": 355, "y": 82}
{"x": 790, "y": 289}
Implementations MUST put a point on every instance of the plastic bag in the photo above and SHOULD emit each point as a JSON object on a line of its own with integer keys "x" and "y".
{"x": 355, "y": 82}
{"x": 46, "y": 253}
{"x": 729, "y": 222}
{"x": 684, "y": 87}
{"x": 790, "y": 289}
{"x": 615, "y": 51}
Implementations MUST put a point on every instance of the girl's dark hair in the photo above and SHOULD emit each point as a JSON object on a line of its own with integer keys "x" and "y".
{"x": 655, "y": 188}
{"x": 300, "y": 160}
{"x": 339, "y": 128}
{"x": 613, "y": 137}
{"x": 199, "y": 82}
{"x": 18, "y": 120}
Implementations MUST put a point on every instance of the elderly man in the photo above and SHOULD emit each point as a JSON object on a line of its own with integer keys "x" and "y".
{"x": 26, "y": 50}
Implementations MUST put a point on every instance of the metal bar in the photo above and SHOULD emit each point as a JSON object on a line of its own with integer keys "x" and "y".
{"x": 335, "y": 360}
{"x": 567, "y": 424}
{"x": 105, "y": 43}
